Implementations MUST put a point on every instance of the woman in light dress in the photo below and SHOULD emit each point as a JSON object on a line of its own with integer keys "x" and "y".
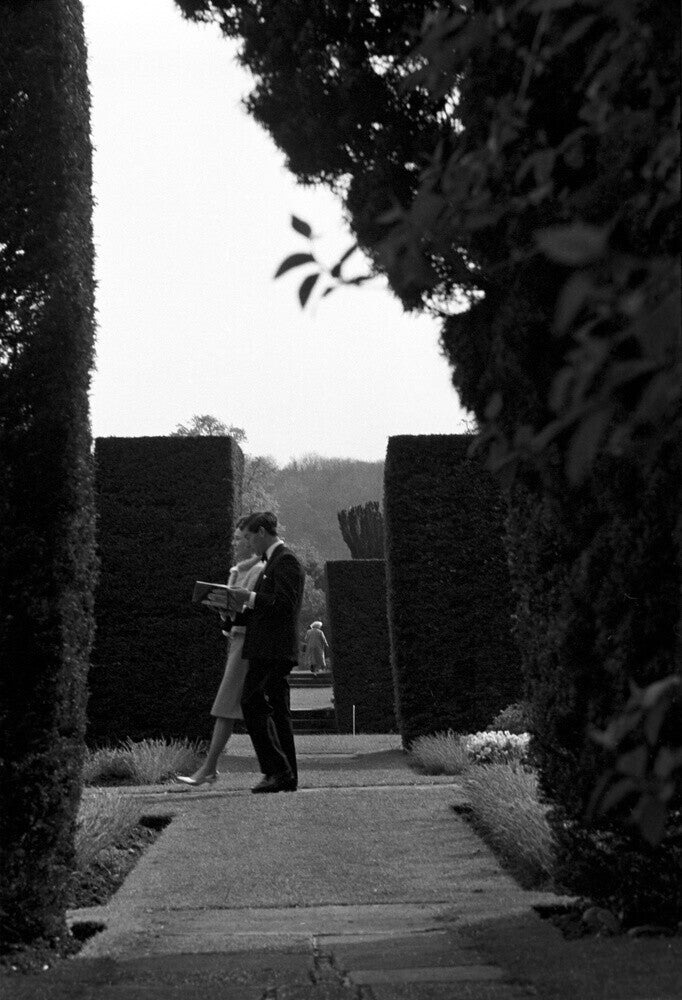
{"x": 227, "y": 705}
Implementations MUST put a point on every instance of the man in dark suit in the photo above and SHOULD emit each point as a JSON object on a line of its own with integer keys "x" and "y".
{"x": 270, "y": 646}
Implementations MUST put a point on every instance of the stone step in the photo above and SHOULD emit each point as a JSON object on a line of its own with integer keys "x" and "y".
{"x": 314, "y": 721}
{"x": 330, "y": 730}
{"x": 305, "y": 679}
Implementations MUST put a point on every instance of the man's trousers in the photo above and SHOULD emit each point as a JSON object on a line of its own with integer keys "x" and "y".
{"x": 267, "y": 715}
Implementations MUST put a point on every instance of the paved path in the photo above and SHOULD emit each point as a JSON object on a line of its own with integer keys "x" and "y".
{"x": 364, "y": 885}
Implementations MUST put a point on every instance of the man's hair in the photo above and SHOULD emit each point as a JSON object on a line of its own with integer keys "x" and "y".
{"x": 262, "y": 519}
{"x": 243, "y": 521}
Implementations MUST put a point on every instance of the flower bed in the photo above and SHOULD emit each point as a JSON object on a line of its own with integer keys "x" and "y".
{"x": 452, "y": 753}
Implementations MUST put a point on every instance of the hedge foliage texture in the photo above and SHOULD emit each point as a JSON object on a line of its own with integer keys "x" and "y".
{"x": 356, "y": 605}
{"x": 598, "y": 584}
{"x": 167, "y": 508}
{"x": 47, "y": 561}
{"x": 455, "y": 664}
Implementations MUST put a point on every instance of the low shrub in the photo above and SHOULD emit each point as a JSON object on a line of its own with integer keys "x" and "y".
{"x": 107, "y": 766}
{"x": 145, "y": 762}
{"x": 105, "y": 817}
{"x": 497, "y": 747}
{"x": 156, "y": 761}
{"x": 515, "y": 719}
{"x": 441, "y": 753}
{"x": 506, "y": 810}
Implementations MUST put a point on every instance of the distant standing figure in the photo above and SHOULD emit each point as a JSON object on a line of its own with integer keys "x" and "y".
{"x": 315, "y": 645}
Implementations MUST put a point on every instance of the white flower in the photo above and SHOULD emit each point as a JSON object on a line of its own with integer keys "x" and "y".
{"x": 496, "y": 747}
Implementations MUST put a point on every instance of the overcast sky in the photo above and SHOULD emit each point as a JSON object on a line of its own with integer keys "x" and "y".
{"x": 192, "y": 218}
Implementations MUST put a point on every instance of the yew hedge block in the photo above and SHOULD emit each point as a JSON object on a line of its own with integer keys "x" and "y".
{"x": 358, "y": 635}
{"x": 167, "y": 508}
{"x": 455, "y": 663}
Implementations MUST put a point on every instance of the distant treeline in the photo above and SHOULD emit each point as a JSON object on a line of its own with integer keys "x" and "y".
{"x": 311, "y": 490}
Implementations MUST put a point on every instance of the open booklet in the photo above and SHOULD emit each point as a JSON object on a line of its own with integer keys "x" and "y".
{"x": 203, "y": 589}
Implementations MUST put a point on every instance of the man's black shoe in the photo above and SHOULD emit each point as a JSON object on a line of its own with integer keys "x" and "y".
{"x": 276, "y": 783}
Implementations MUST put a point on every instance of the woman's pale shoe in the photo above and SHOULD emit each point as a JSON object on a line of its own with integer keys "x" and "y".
{"x": 208, "y": 779}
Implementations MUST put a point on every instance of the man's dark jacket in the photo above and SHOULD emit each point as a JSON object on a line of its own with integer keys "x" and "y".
{"x": 272, "y": 624}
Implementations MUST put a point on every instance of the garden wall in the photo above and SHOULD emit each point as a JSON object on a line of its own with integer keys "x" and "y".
{"x": 455, "y": 664}
{"x": 356, "y": 604}
{"x": 167, "y": 508}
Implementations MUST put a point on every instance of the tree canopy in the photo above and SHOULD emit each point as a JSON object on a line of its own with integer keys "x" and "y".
{"x": 488, "y": 150}
{"x": 206, "y": 425}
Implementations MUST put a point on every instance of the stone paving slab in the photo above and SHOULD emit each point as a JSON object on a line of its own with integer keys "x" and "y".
{"x": 427, "y": 974}
{"x": 448, "y": 991}
{"x": 310, "y": 781}
{"x": 351, "y": 933}
{"x": 433, "y": 947}
{"x": 284, "y": 976}
{"x": 352, "y": 846}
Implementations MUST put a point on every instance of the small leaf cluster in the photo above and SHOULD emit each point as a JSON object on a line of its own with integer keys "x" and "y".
{"x": 334, "y": 274}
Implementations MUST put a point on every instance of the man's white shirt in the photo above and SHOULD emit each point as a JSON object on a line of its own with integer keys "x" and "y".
{"x": 268, "y": 553}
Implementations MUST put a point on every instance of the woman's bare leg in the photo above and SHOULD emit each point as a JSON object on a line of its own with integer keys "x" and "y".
{"x": 222, "y": 730}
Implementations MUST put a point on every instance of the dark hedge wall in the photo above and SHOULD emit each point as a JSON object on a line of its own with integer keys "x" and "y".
{"x": 47, "y": 554}
{"x": 455, "y": 663}
{"x": 598, "y": 580}
{"x": 356, "y": 607}
{"x": 166, "y": 508}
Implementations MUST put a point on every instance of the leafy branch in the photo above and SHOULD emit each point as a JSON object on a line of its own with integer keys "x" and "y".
{"x": 334, "y": 275}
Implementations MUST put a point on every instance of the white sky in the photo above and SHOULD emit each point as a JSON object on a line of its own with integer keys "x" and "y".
{"x": 192, "y": 218}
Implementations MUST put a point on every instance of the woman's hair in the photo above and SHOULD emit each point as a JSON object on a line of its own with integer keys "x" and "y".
{"x": 262, "y": 519}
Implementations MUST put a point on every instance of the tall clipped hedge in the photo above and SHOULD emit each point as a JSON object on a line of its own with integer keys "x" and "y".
{"x": 599, "y": 587}
{"x": 362, "y": 676}
{"x": 455, "y": 663}
{"x": 47, "y": 560}
{"x": 167, "y": 508}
